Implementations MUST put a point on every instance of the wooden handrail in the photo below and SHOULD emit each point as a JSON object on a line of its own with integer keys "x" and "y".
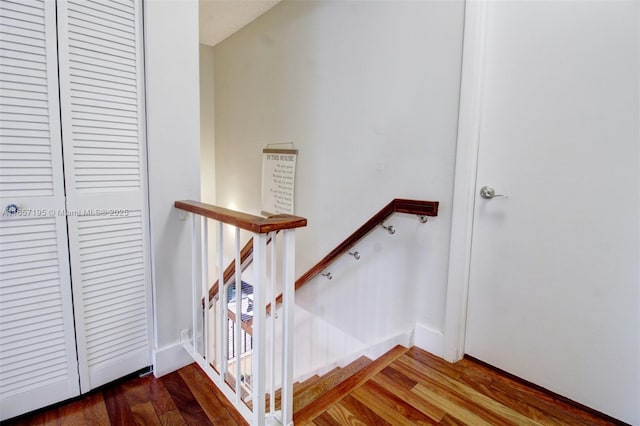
{"x": 398, "y": 205}
{"x": 248, "y": 222}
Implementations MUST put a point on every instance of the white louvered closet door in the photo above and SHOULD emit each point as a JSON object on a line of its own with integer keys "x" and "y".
{"x": 100, "y": 55}
{"x": 38, "y": 363}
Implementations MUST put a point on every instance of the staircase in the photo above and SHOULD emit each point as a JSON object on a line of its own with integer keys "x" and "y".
{"x": 318, "y": 393}
{"x": 311, "y": 398}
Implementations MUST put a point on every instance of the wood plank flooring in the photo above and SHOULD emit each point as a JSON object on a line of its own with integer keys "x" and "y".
{"x": 414, "y": 387}
{"x": 403, "y": 387}
{"x": 184, "y": 397}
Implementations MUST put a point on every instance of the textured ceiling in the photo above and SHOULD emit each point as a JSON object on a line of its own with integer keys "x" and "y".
{"x": 221, "y": 18}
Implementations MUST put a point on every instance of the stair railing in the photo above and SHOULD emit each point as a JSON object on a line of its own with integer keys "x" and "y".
{"x": 421, "y": 208}
{"x": 211, "y": 351}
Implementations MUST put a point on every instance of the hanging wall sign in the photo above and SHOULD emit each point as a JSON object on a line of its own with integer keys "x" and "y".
{"x": 278, "y": 180}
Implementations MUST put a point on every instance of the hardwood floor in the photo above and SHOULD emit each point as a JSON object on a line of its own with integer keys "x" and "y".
{"x": 412, "y": 387}
{"x": 184, "y": 397}
{"x": 403, "y": 387}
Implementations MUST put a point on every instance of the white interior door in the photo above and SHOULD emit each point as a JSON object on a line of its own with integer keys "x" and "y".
{"x": 102, "y": 109}
{"x": 554, "y": 279}
{"x": 38, "y": 363}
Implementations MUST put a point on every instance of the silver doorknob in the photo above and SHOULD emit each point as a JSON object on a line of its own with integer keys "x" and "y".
{"x": 11, "y": 209}
{"x": 489, "y": 193}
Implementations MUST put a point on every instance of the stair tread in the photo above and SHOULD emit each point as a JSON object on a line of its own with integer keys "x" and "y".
{"x": 311, "y": 382}
{"x": 323, "y": 401}
{"x": 304, "y": 385}
{"x": 297, "y": 388}
{"x": 329, "y": 381}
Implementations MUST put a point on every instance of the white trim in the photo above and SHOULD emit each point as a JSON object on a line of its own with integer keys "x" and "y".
{"x": 380, "y": 348}
{"x": 465, "y": 179}
{"x": 145, "y": 205}
{"x": 372, "y": 352}
{"x": 429, "y": 339}
{"x": 169, "y": 359}
{"x": 147, "y": 176}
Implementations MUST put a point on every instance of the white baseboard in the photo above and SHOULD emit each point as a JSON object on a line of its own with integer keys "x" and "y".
{"x": 169, "y": 359}
{"x": 374, "y": 351}
{"x": 173, "y": 357}
{"x": 383, "y": 346}
{"x": 429, "y": 340}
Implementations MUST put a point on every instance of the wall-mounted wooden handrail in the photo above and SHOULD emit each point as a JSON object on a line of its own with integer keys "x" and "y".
{"x": 422, "y": 208}
{"x": 398, "y": 205}
{"x": 248, "y": 222}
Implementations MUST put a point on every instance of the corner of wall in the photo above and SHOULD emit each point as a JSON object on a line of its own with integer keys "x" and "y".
{"x": 429, "y": 340}
{"x": 169, "y": 359}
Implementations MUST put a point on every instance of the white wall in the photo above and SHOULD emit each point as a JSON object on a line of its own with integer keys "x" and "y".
{"x": 368, "y": 92}
{"x": 173, "y": 131}
{"x": 207, "y": 145}
{"x": 207, "y": 126}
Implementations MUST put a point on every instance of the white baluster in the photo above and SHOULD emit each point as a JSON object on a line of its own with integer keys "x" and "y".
{"x": 272, "y": 323}
{"x": 222, "y": 303}
{"x": 288, "y": 304}
{"x": 238, "y": 327}
{"x": 205, "y": 287}
{"x": 194, "y": 283}
{"x": 259, "y": 319}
